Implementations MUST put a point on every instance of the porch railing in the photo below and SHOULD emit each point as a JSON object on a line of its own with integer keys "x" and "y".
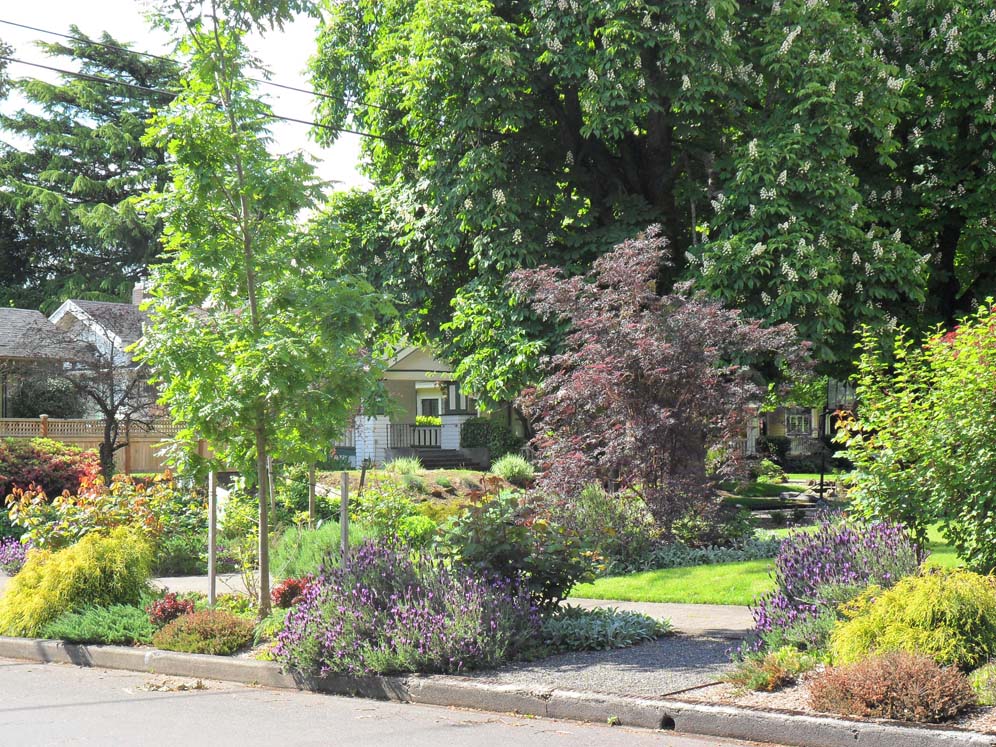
{"x": 347, "y": 440}
{"x": 411, "y": 436}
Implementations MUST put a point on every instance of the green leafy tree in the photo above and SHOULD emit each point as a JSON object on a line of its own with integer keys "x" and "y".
{"x": 922, "y": 442}
{"x": 824, "y": 163}
{"x": 257, "y": 335}
{"x": 941, "y": 191}
{"x": 74, "y": 229}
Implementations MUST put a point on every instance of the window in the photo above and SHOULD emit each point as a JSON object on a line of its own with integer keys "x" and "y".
{"x": 799, "y": 422}
{"x": 429, "y": 406}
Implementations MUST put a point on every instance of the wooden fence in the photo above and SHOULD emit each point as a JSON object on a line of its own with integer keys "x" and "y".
{"x": 140, "y": 455}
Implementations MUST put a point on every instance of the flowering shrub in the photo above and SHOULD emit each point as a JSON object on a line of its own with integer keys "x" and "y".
{"x": 52, "y": 466}
{"x": 287, "y": 591}
{"x": 815, "y": 571}
{"x": 168, "y": 608}
{"x": 13, "y": 553}
{"x": 897, "y": 685}
{"x": 514, "y": 535}
{"x": 386, "y": 610}
{"x": 206, "y": 632}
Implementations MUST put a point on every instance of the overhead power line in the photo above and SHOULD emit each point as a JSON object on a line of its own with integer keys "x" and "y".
{"x": 173, "y": 94}
{"x": 163, "y": 58}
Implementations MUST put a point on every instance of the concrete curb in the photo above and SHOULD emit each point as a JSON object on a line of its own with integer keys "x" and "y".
{"x": 785, "y": 728}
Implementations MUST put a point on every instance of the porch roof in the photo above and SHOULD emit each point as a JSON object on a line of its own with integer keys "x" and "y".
{"x": 417, "y": 364}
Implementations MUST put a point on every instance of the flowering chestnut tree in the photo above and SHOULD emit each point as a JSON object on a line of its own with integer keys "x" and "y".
{"x": 645, "y": 386}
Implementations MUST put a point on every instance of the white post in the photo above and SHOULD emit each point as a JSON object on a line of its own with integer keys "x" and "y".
{"x": 344, "y": 516}
{"x": 212, "y": 536}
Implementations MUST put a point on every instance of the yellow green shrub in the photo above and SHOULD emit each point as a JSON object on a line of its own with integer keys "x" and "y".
{"x": 949, "y": 616}
{"x": 98, "y": 571}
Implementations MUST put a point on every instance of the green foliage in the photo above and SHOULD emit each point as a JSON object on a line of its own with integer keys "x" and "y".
{"x": 767, "y": 471}
{"x": 516, "y": 536}
{"x": 206, "y": 632}
{"x": 923, "y": 440}
{"x": 713, "y": 525}
{"x": 117, "y": 624}
{"x": 267, "y": 628}
{"x": 485, "y": 433}
{"x": 68, "y": 187}
{"x": 617, "y": 527}
{"x": 771, "y": 670}
{"x": 258, "y": 338}
{"x": 299, "y": 551}
{"x": 949, "y": 616}
{"x": 514, "y": 469}
{"x": 428, "y": 420}
{"x": 897, "y": 685}
{"x": 35, "y": 396}
{"x": 98, "y": 571}
{"x": 983, "y": 682}
{"x": 571, "y": 628}
{"x": 388, "y": 511}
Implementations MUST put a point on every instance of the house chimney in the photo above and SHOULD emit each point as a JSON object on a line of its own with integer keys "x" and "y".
{"x": 138, "y": 293}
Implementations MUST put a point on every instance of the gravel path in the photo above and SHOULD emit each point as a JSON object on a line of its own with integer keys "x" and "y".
{"x": 654, "y": 669}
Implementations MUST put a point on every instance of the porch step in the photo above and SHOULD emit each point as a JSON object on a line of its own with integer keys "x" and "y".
{"x": 445, "y": 459}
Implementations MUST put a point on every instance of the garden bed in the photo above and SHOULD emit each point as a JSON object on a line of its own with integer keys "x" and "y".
{"x": 795, "y": 699}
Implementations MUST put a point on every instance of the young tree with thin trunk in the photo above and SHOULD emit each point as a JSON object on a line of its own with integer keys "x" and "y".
{"x": 256, "y": 337}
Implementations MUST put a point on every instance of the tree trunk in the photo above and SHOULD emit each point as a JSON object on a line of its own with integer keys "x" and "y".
{"x": 262, "y": 482}
{"x": 106, "y": 451}
{"x": 947, "y": 287}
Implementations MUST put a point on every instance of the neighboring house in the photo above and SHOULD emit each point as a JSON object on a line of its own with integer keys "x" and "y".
{"x": 104, "y": 331}
{"x": 804, "y": 426}
{"x": 28, "y": 342}
{"x": 419, "y": 385}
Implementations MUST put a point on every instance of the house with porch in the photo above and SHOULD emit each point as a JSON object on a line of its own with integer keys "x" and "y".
{"x": 422, "y": 389}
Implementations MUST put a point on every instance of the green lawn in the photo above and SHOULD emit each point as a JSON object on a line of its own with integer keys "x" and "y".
{"x": 723, "y": 583}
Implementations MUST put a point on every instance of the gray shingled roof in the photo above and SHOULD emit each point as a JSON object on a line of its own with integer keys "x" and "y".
{"x": 26, "y": 334}
{"x": 123, "y": 319}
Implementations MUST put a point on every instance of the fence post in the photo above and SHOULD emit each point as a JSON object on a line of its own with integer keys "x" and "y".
{"x": 311, "y": 495}
{"x": 344, "y": 516}
{"x": 271, "y": 484}
{"x": 212, "y": 536}
{"x": 44, "y": 425}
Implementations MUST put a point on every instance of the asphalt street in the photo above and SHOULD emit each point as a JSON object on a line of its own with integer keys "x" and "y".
{"x": 53, "y": 704}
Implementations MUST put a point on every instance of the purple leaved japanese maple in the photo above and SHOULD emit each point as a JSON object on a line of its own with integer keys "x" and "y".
{"x": 645, "y": 386}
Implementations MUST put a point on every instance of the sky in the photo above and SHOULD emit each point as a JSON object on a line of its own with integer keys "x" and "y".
{"x": 284, "y": 53}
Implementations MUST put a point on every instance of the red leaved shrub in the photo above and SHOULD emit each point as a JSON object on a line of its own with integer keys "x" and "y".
{"x": 288, "y": 591}
{"x": 167, "y": 609}
{"x": 53, "y": 466}
{"x": 897, "y": 685}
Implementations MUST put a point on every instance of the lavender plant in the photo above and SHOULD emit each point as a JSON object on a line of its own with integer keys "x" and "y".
{"x": 386, "y": 610}
{"x": 12, "y": 555}
{"x": 816, "y": 571}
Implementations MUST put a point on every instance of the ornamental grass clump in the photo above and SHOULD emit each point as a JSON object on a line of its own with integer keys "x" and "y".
{"x": 388, "y": 610}
{"x": 816, "y": 571}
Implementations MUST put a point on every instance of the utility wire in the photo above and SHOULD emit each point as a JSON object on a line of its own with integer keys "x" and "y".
{"x": 173, "y": 94}
{"x": 162, "y": 58}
